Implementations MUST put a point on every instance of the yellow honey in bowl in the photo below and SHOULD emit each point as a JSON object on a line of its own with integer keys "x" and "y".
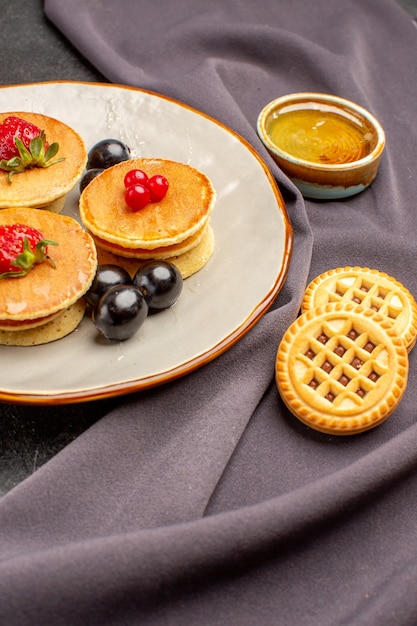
{"x": 320, "y": 136}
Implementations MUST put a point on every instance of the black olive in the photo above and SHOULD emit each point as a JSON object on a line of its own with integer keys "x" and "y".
{"x": 161, "y": 283}
{"x": 88, "y": 176}
{"x": 106, "y": 153}
{"x": 120, "y": 312}
{"x": 106, "y": 276}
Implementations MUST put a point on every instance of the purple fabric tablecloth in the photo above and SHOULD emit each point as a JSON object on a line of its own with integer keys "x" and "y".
{"x": 204, "y": 501}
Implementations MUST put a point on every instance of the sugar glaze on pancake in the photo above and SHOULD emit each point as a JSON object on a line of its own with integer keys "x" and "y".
{"x": 183, "y": 212}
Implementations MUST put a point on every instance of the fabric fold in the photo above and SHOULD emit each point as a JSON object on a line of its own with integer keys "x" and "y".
{"x": 204, "y": 501}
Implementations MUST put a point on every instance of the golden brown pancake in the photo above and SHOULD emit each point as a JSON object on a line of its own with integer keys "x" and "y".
{"x": 183, "y": 212}
{"x": 61, "y": 325}
{"x": 188, "y": 263}
{"x": 47, "y": 290}
{"x": 165, "y": 252}
{"x": 12, "y": 325}
{"x": 46, "y": 187}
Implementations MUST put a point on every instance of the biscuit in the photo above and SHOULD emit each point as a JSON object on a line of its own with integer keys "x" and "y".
{"x": 46, "y": 188}
{"x": 188, "y": 263}
{"x": 341, "y": 368}
{"x": 369, "y": 288}
{"x": 61, "y": 325}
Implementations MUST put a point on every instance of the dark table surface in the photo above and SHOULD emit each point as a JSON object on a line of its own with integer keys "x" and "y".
{"x": 28, "y": 436}
{"x": 33, "y": 50}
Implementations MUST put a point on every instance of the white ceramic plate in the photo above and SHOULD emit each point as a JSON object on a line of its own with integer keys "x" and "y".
{"x": 218, "y": 305}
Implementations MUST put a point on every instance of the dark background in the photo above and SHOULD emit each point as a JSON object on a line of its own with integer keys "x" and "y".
{"x": 33, "y": 50}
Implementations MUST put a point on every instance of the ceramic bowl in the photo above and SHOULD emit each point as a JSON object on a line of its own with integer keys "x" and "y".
{"x": 328, "y": 146}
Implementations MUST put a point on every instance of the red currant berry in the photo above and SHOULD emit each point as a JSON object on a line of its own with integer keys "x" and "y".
{"x": 135, "y": 176}
{"x": 137, "y": 197}
{"x": 158, "y": 187}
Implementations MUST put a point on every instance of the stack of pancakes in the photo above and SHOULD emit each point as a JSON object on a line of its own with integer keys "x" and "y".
{"x": 176, "y": 229}
{"x": 46, "y": 304}
{"x": 46, "y": 188}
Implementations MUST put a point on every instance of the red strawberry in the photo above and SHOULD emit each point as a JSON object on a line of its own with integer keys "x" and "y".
{"x": 23, "y": 145}
{"x": 21, "y": 248}
{"x": 13, "y": 127}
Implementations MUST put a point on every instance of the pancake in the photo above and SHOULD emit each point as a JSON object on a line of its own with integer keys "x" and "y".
{"x": 62, "y": 324}
{"x": 183, "y": 212}
{"x": 188, "y": 263}
{"x": 46, "y": 290}
{"x": 165, "y": 252}
{"x": 46, "y": 188}
{"x": 12, "y": 325}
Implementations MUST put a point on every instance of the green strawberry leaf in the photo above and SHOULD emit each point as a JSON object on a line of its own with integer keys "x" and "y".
{"x": 51, "y": 151}
{"x": 35, "y": 156}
